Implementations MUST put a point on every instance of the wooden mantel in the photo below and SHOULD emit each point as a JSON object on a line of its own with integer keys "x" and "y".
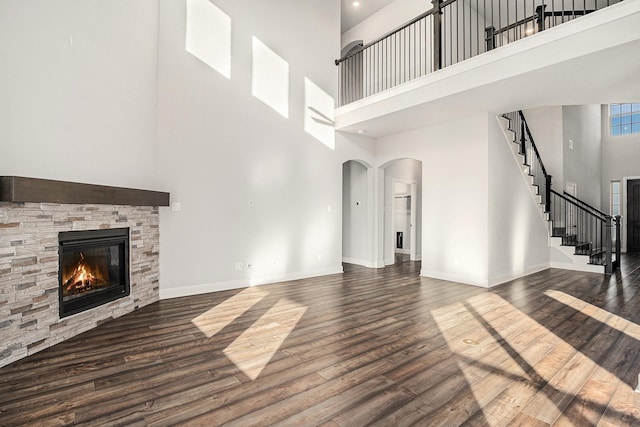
{"x": 19, "y": 189}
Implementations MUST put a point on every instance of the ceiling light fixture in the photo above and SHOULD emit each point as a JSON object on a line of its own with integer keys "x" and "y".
{"x": 356, "y": 3}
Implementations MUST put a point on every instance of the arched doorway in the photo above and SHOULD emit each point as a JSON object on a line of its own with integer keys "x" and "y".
{"x": 377, "y": 205}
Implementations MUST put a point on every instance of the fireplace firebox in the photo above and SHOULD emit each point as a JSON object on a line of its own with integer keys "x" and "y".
{"x": 93, "y": 269}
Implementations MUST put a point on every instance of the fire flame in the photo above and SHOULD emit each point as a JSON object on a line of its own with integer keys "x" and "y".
{"x": 81, "y": 277}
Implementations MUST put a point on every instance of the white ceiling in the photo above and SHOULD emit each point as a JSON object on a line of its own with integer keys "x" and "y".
{"x": 351, "y": 15}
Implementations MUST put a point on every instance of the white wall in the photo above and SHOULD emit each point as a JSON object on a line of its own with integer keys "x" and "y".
{"x": 386, "y": 19}
{"x": 454, "y": 158}
{"x": 546, "y": 126}
{"x": 552, "y": 127}
{"x": 583, "y": 162}
{"x": 78, "y": 90}
{"x": 355, "y": 213}
{"x": 255, "y": 188}
{"x": 518, "y": 234}
{"x": 620, "y": 157}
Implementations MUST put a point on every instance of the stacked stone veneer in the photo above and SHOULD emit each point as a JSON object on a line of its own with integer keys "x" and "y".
{"x": 29, "y": 317}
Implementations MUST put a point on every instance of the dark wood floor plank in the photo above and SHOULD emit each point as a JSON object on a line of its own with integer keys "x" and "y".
{"x": 372, "y": 346}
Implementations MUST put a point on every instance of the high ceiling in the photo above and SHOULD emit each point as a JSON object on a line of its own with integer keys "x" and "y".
{"x": 352, "y": 15}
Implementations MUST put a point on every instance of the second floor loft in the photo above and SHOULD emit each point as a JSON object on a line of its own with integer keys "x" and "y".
{"x": 450, "y": 32}
{"x": 582, "y": 55}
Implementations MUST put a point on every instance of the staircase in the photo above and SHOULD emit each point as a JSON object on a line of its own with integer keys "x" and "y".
{"x": 581, "y": 236}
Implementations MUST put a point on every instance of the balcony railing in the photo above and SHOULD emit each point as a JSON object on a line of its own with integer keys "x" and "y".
{"x": 450, "y": 32}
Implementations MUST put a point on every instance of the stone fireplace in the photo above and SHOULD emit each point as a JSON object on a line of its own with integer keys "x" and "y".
{"x": 48, "y": 232}
{"x": 93, "y": 268}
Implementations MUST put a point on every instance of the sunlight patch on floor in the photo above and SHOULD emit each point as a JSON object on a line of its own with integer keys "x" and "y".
{"x": 612, "y": 320}
{"x": 217, "y": 318}
{"x": 485, "y": 326}
{"x": 497, "y": 328}
{"x": 254, "y": 348}
{"x": 446, "y": 317}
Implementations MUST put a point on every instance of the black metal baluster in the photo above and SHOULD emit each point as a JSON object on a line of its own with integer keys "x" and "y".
{"x": 464, "y": 30}
{"x": 477, "y": 32}
{"x": 370, "y": 71}
{"x": 407, "y": 56}
{"x": 376, "y": 60}
{"x": 353, "y": 69}
{"x": 406, "y": 49}
{"x": 420, "y": 48}
{"x": 484, "y": 24}
{"x": 415, "y": 53}
{"x": 386, "y": 60}
{"x": 508, "y": 40}
{"x": 451, "y": 34}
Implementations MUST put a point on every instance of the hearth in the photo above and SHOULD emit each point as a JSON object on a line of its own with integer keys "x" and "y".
{"x": 94, "y": 268}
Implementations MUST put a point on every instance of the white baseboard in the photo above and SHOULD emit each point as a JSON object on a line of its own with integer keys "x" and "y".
{"x": 458, "y": 278}
{"x": 585, "y": 268}
{"x": 357, "y": 261}
{"x": 403, "y": 251}
{"x": 205, "y": 288}
{"x": 482, "y": 282}
{"x": 516, "y": 275}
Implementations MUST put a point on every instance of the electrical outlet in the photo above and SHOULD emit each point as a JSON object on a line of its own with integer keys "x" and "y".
{"x": 176, "y": 206}
{"x": 239, "y": 265}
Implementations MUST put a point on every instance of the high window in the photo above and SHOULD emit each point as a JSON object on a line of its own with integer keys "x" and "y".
{"x": 624, "y": 119}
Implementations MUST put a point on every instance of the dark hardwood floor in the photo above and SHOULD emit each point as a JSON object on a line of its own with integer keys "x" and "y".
{"x": 370, "y": 347}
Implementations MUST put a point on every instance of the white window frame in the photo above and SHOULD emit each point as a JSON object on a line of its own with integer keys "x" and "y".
{"x": 633, "y": 113}
{"x": 619, "y": 193}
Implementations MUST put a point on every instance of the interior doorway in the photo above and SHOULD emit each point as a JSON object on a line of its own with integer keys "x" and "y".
{"x": 402, "y": 211}
{"x": 404, "y": 217}
{"x": 370, "y": 224}
{"x": 357, "y": 233}
{"x": 633, "y": 215}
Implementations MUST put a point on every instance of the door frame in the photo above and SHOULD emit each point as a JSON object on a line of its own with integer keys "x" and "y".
{"x": 413, "y": 250}
{"x": 625, "y": 183}
{"x": 369, "y": 259}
